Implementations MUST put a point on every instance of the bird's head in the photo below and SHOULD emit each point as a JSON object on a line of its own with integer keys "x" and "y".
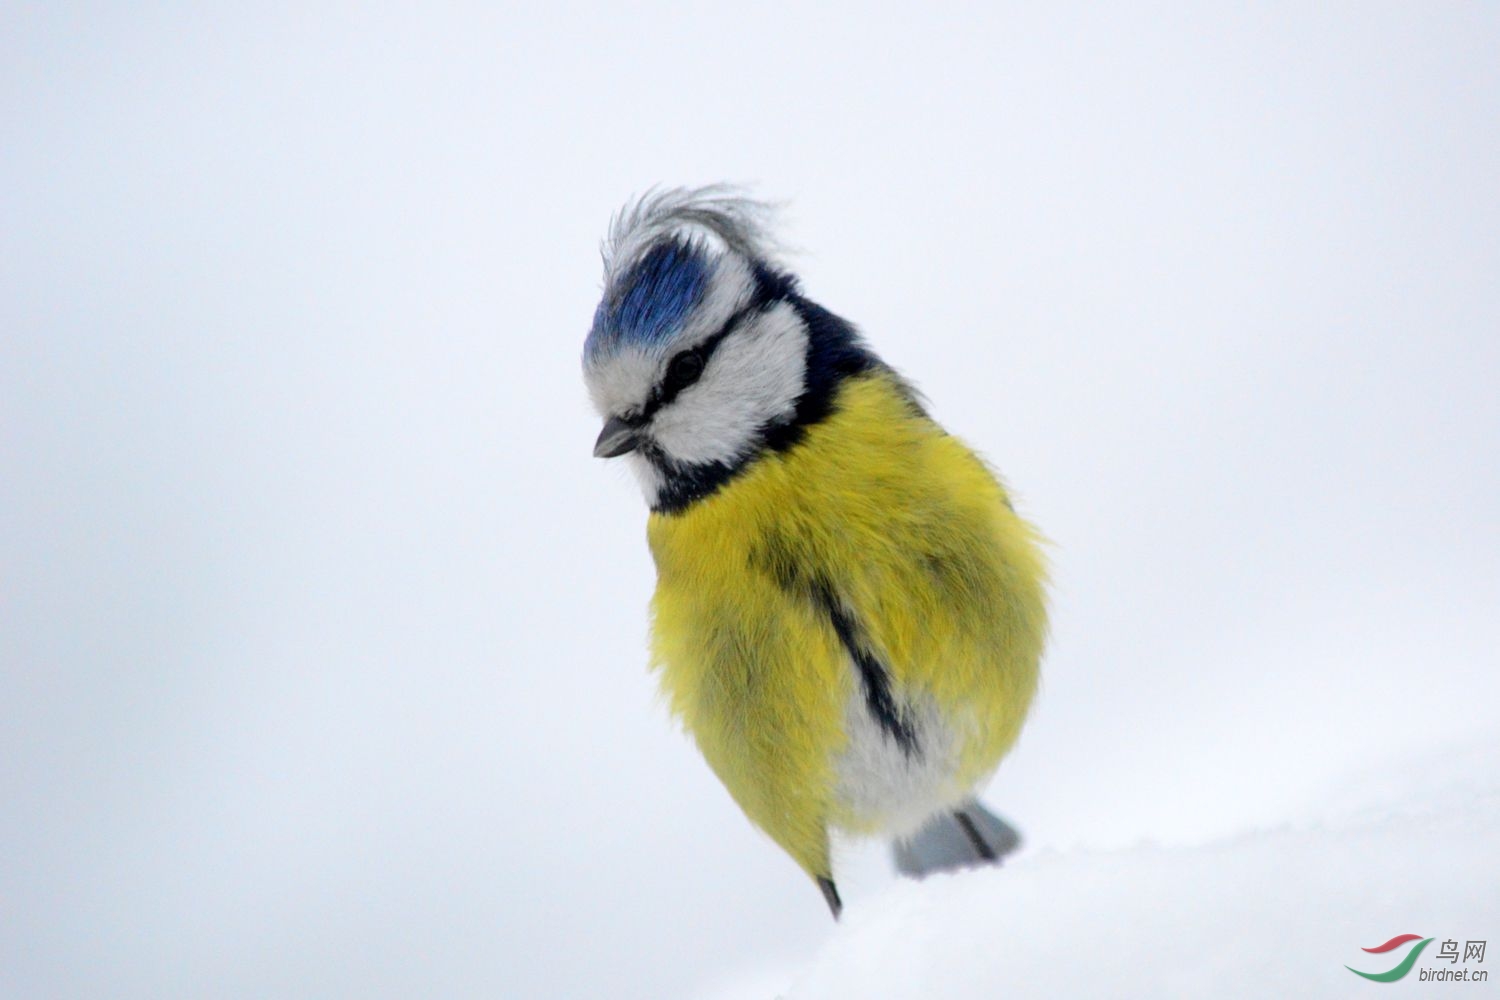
{"x": 702, "y": 352}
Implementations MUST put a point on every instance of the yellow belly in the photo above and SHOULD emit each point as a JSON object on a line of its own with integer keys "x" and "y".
{"x": 913, "y": 536}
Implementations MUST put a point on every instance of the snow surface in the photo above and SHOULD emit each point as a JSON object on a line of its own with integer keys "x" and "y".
{"x": 1275, "y": 912}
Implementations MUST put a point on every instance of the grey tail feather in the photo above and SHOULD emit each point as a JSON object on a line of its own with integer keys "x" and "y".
{"x": 948, "y": 842}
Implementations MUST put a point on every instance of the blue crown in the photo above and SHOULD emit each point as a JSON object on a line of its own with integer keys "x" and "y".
{"x": 652, "y": 300}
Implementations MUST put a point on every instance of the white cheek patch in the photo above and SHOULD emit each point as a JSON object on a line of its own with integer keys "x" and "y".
{"x": 755, "y": 377}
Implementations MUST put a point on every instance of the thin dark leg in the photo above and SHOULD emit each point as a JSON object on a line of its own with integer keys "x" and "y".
{"x": 980, "y": 845}
{"x": 831, "y": 894}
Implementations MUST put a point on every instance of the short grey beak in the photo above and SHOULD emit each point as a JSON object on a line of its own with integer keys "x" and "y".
{"x": 617, "y": 438}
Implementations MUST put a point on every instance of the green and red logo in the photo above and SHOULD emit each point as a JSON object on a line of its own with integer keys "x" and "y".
{"x": 1405, "y": 964}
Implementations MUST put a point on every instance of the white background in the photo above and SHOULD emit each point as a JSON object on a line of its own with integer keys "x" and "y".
{"x": 322, "y": 635}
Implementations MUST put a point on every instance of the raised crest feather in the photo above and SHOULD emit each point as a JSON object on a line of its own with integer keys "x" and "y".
{"x": 660, "y": 252}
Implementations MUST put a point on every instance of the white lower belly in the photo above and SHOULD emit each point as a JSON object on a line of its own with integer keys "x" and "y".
{"x": 883, "y": 787}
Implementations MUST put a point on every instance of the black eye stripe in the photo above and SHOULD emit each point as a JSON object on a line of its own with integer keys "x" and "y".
{"x": 665, "y": 391}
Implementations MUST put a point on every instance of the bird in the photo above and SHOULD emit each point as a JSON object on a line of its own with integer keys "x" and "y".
{"x": 849, "y": 614}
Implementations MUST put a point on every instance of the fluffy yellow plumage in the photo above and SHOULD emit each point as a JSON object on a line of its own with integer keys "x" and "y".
{"x": 878, "y": 514}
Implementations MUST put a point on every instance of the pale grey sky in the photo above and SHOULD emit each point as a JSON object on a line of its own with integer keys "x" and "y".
{"x": 321, "y": 633}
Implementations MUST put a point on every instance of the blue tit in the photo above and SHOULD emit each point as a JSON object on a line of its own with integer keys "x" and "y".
{"x": 849, "y": 613}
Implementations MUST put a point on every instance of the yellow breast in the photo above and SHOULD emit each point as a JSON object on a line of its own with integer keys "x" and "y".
{"x": 880, "y": 513}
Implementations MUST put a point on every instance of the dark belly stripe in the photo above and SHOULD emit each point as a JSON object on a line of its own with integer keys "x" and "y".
{"x": 876, "y": 679}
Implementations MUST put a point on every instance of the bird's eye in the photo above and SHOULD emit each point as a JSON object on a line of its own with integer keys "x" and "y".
{"x": 683, "y": 371}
